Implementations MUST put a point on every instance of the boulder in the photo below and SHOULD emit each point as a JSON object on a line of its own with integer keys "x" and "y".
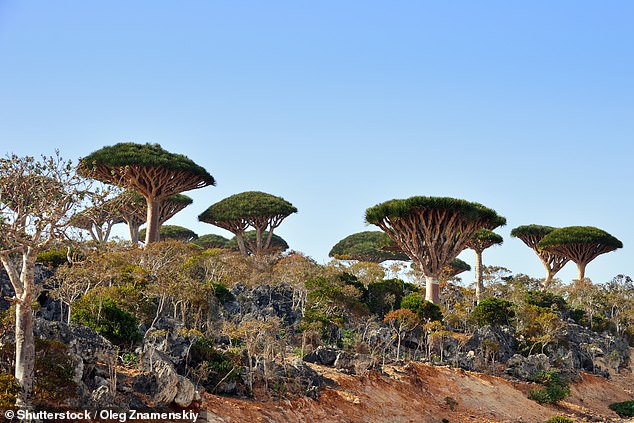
{"x": 86, "y": 346}
{"x": 502, "y": 335}
{"x": 345, "y": 362}
{"x": 160, "y": 380}
{"x": 525, "y": 367}
{"x": 185, "y": 392}
{"x": 325, "y": 356}
{"x": 263, "y": 302}
{"x": 591, "y": 351}
{"x": 168, "y": 336}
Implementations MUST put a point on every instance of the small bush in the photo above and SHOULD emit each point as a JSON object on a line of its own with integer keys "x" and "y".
{"x": 222, "y": 293}
{"x": 556, "y": 389}
{"x": 492, "y": 311}
{"x": 623, "y": 409}
{"x": 559, "y": 419}
{"x": 546, "y": 300}
{"x": 106, "y": 317}
{"x": 425, "y": 310}
{"x": 212, "y": 366}
{"x": 52, "y": 258}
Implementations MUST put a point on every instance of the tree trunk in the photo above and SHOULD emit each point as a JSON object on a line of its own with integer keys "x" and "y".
{"x": 258, "y": 241}
{"x": 478, "y": 274}
{"x": 432, "y": 291}
{"x": 549, "y": 277}
{"x": 152, "y": 232}
{"x": 133, "y": 226}
{"x": 24, "y": 340}
{"x": 24, "y": 349}
{"x": 241, "y": 247}
{"x": 582, "y": 271}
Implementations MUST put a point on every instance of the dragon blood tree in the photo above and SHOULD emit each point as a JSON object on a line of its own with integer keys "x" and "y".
{"x": 531, "y": 235}
{"x": 149, "y": 170}
{"x": 370, "y": 246}
{"x": 581, "y": 244}
{"x": 98, "y": 220}
{"x": 455, "y": 267}
{"x": 259, "y": 210}
{"x": 277, "y": 244}
{"x": 480, "y": 241}
{"x": 211, "y": 241}
{"x": 432, "y": 231}
{"x": 177, "y": 233}
{"x": 133, "y": 211}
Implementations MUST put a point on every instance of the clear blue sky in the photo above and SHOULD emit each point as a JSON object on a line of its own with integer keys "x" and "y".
{"x": 526, "y": 107}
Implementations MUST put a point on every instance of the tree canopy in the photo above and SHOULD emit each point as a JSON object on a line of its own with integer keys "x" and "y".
{"x": 581, "y": 244}
{"x": 175, "y": 232}
{"x": 531, "y": 235}
{"x": 211, "y": 241}
{"x": 432, "y": 231}
{"x": 483, "y": 239}
{"x": 372, "y": 246}
{"x": 264, "y": 212}
{"x": 149, "y": 170}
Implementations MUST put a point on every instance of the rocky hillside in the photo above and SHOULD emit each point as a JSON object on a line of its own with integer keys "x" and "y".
{"x": 419, "y": 392}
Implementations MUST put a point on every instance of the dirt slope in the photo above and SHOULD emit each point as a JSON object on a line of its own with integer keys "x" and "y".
{"x": 424, "y": 393}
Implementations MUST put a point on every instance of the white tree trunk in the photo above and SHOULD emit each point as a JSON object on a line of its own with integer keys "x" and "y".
{"x": 432, "y": 291}
{"x": 24, "y": 340}
{"x": 153, "y": 225}
{"x": 479, "y": 286}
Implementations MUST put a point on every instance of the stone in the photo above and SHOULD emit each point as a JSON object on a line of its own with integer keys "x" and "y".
{"x": 185, "y": 392}
{"x": 161, "y": 381}
{"x": 501, "y": 335}
{"x": 325, "y": 356}
{"x": 525, "y": 367}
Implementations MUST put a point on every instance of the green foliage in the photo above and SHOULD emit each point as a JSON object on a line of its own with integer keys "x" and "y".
{"x": 579, "y": 235}
{"x": 372, "y": 246}
{"x": 212, "y": 366}
{"x": 54, "y": 371}
{"x": 546, "y": 299}
{"x": 174, "y": 232}
{"x": 145, "y": 155}
{"x": 211, "y": 241}
{"x": 222, "y": 293}
{"x": 106, "y": 317}
{"x": 9, "y": 389}
{"x": 559, "y": 419}
{"x": 424, "y": 309}
{"x": 556, "y": 389}
{"x": 247, "y": 205}
{"x": 53, "y": 257}
{"x": 538, "y": 230}
{"x": 400, "y": 208}
{"x": 385, "y": 295}
{"x": 492, "y": 311}
{"x": 623, "y": 409}
{"x": 331, "y": 302}
{"x": 487, "y": 237}
{"x": 277, "y": 242}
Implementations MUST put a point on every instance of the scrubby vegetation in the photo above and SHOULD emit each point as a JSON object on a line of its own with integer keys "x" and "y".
{"x": 229, "y": 316}
{"x": 623, "y": 409}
